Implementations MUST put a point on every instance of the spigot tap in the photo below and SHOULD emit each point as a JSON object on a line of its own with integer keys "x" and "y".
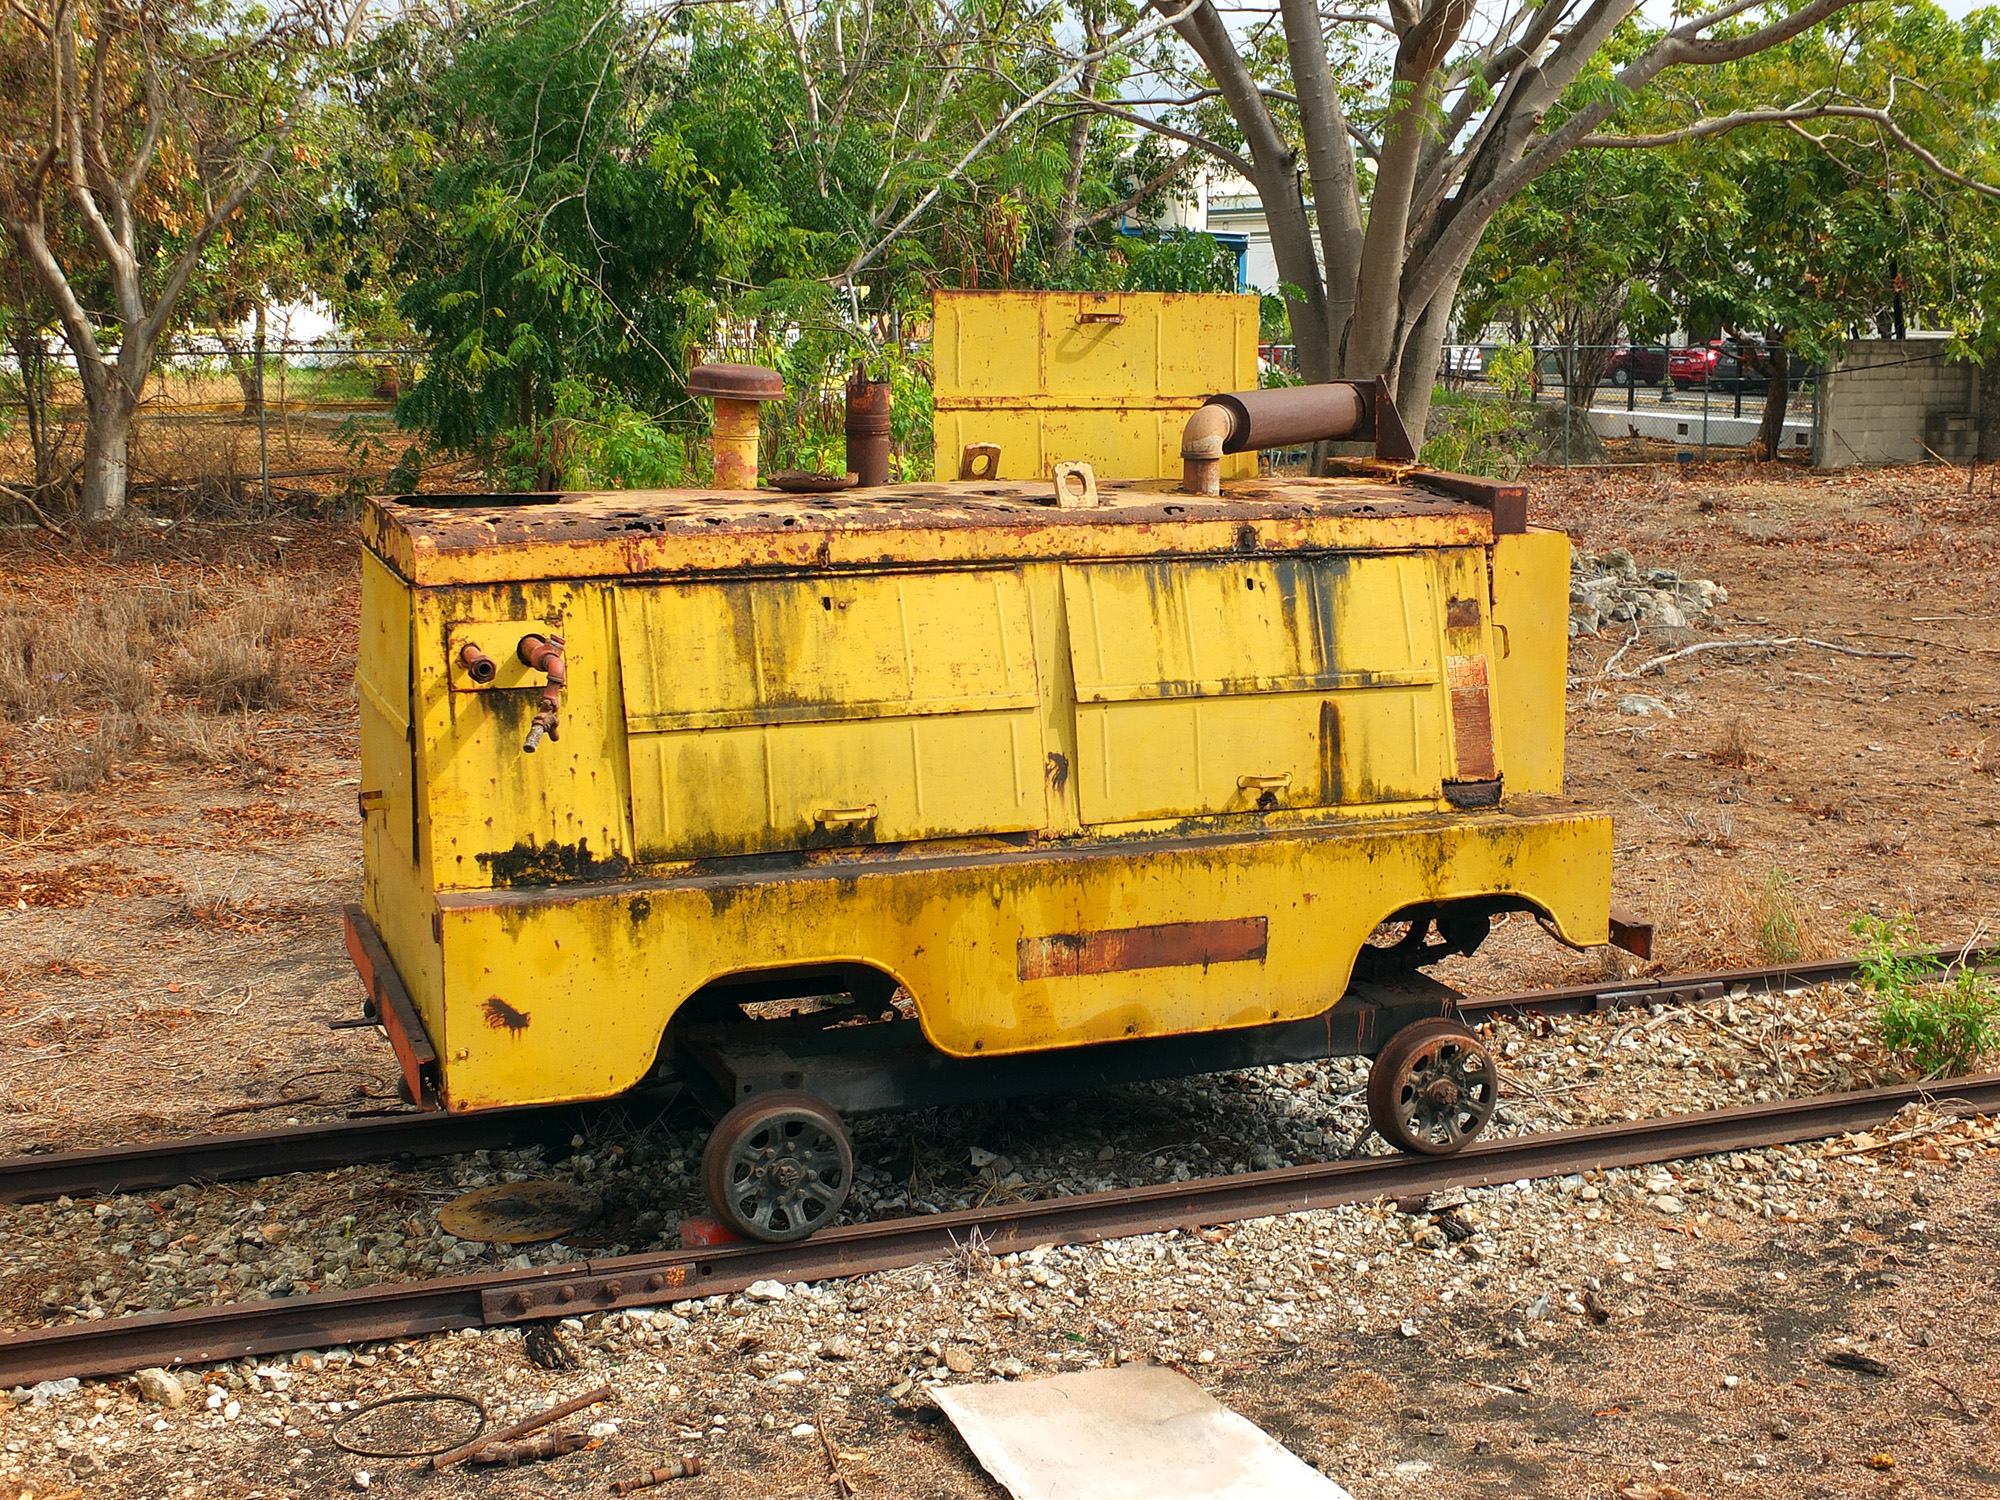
{"x": 544, "y": 654}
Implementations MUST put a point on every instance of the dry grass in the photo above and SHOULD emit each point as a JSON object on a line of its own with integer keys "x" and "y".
{"x": 1736, "y": 744}
{"x": 176, "y": 668}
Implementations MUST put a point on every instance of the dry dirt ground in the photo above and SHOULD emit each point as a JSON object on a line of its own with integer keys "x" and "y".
{"x": 177, "y": 788}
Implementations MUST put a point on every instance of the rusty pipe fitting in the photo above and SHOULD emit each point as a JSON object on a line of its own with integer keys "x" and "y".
{"x": 480, "y": 667}
{"x": 737, "y": 391}
{"x": 687, "y": 1466}
{"x": 867, "y": 427}
{"x": 1202, "y": 442}
{"x": 544, "y": 654}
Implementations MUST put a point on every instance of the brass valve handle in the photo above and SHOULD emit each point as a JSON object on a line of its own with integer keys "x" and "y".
{"x": 544, "y": 654}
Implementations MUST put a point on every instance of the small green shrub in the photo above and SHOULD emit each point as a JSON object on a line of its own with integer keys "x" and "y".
{"x": 1943, "y": 1027}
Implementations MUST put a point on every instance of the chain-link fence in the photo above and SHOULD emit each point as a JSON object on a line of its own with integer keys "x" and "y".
{"x": 219, "y": 421}
{"x": 1573, "y": 404}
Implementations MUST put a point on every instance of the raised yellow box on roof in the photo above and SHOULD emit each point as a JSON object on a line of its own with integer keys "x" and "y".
{"x": 1103, "y": 378}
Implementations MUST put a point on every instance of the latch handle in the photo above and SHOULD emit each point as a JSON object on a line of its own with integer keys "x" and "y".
{"x": 833, "y": 817}
{"x": 1264, "y": 783}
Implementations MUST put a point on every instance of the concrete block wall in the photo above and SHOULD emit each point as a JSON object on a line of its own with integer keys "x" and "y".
{"x": 1893, "y": 401}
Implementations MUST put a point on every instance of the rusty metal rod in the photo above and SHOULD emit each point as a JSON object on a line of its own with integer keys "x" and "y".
{"x": 205, "y": 1335}
{"x": 526, "y": 1425}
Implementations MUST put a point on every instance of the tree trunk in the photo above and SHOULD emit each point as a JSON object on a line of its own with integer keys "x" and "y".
{"x": 1771, "y": 432}
{"x": 106, "y": 468}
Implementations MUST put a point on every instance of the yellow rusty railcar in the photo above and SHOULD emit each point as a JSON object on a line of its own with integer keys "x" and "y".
{"x": 1026, "y": 795}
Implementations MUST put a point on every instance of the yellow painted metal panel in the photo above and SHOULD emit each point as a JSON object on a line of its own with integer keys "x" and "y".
{"x": 775, "y": 651}
{"x": 382, "y": 685}
{"x": 783, "y": 714}
{"x": 651, "y": 943}
{"x": 494, "y": 813}
{"x": 795, "y": 786}
{"x": 1107, "y": 379}
{"x": 1530, "y": 592}
{"x": 1227, "y": 686}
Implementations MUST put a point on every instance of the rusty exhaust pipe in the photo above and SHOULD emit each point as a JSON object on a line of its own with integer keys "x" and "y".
{"x": 544, "y": 654}
{"x": 1285, "y": 416}
{"x": 867, "y": 428}
{"x": 480, "y": 667}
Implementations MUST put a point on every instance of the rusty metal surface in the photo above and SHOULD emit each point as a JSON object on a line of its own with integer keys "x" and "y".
{"x": 1284, "y": 416}
{"x": 266, "y": 1153}
{"x": 393, "y": 1007}
{"x": 475, "y": 539}
{"x": 1170, "y": 945}
{"x": 866, "y": 425}
{"x": 736, "y": 382}
{"x": 208, "y": 1334}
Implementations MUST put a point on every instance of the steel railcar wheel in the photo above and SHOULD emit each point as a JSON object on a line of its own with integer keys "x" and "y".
{"x": 778, "y": 1166}
{"x": 1433, "y": 1088}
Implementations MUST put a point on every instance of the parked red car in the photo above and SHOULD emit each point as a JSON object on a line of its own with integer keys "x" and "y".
{"x": 1730, "y": 365}
{"x": 1645, "y": 363}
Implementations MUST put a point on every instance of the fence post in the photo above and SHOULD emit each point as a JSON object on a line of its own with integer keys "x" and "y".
{"x": 263, "y": 415}
{"x": 1707, "y": 385}
{"x": 1569, "y": 403}
{"x": 1631, "y": 377}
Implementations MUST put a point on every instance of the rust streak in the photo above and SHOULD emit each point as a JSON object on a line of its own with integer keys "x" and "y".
{"x": 1171, "y": 945}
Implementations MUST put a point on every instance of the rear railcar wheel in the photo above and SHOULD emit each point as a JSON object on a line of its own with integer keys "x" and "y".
{"x": 1433, "y": 1088}
{"x": 778, "y": 1166}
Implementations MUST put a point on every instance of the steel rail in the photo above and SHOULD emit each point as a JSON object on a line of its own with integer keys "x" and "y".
{"x": 340, "y": 1143}
{"x": 203, "y": 1335}
{"x": 1689, "y": 989}
{"x": 318, "y": 1147}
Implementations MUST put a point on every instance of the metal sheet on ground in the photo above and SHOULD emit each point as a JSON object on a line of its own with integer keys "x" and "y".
{"x": 1136, "y": 1432}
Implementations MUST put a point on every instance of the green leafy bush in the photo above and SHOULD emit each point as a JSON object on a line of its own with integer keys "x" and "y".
{"x": 1944, "y": 1027}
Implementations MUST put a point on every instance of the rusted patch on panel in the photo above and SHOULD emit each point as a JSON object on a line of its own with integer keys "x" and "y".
{"x": 1058, "y": 771}
{"x": 1461, "y": 614}
{"x": 1329, "y": 753}
{"x": 1171, "y": 945}
{"x": 1471, "y": 717}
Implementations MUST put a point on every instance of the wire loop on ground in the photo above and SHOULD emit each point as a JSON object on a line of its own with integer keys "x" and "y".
{"x": 411, "y": 1398}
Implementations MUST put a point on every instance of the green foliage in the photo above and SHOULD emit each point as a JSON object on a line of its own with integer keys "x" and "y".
{"x": 1943, "y": 1027}
{"x": 1476, "y": 434}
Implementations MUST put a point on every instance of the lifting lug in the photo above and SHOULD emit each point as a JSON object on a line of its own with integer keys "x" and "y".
{"x": 544, "y": 654}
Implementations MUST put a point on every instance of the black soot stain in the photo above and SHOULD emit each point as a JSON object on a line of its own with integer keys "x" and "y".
{"x": 499, "y": 1013}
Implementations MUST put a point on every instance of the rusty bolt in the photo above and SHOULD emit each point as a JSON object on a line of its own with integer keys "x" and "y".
{"x": 565, "y": 1293}
{"x": 522, "y": 1302}
{"x": 613, "y": 1290}
{"x": 656, "y": 1283}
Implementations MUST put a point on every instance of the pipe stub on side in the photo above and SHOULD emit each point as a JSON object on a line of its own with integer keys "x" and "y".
{"x": 1285, "y": 416}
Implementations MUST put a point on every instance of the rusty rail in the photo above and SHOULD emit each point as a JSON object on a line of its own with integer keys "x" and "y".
{"x": 340, "y": 1143}
{"x": 206, "y": 1334}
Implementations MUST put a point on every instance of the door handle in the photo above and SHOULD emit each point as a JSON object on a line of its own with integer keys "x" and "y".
{"x": 1264, "y": 783}
{"x": 835, "y": 816}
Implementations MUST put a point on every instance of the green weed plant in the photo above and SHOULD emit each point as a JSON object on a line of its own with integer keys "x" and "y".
{"x": 1943, "y": 1025}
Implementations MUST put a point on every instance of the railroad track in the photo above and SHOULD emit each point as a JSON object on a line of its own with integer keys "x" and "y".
{"x": 339, "y": 1143}
{"x": 204, "y": 1335}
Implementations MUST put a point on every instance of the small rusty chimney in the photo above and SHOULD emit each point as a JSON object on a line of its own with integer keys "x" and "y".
{"x": 737, "y": 391}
